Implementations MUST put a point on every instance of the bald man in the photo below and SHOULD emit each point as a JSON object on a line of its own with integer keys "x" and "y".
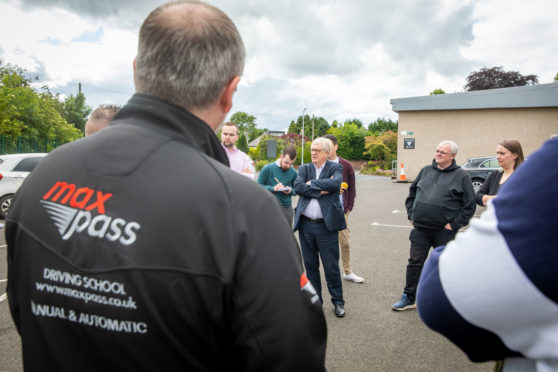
{"x": 139, "y": 249}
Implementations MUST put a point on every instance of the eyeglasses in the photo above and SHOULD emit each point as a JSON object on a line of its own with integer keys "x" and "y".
{"x": 441, "y": 152}
{"x": 316, "y": 150}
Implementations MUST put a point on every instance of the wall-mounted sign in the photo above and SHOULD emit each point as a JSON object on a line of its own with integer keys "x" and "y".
{"x": 409, "y": 143}
{"x": 271, "y": 149}
{"x": 404, "y": 133}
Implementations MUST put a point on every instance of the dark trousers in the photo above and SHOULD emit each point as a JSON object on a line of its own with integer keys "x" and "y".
{"x": 317, "y": 241}
{"x": 421, "y": 242}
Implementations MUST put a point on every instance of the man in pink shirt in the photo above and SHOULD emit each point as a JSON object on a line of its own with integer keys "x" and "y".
{"x": 239, "y": 161}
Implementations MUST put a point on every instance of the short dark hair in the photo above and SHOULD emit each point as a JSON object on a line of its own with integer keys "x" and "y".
{"x": 515, "y": 147}
{"x": 289, "y": 150}
{"x": 332, "y": 138}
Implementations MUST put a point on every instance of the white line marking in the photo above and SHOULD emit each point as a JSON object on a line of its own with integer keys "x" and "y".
{"x": 3, "y": 297}
{"x": 3, "y": 246}
{"x": 397, "y": 211}
{"x": 3, "y": 280}
{"x": 380, "y": 224}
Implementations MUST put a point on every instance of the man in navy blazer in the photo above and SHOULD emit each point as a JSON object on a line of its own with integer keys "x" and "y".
{"x": 318, "y": 218}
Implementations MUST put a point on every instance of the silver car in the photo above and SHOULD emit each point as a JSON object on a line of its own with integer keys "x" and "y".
{"x": 480, "y": 168}
{"x": 13, "y": 170}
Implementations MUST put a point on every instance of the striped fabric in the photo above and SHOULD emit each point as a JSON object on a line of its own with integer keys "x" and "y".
{"x": 493, "y": 291}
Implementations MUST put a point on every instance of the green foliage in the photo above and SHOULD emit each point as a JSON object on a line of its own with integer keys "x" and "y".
{"x": 351, "y": 140}
{"x": 246, "y": 123}
{"x": 253, "y": 153}
{"x": 382, "y": 149}
{"x": 25, "y": 112}
{"x": 355, "y": 121}
{"x": 262, "y": 163}
{"x": 321, "y": 126}
{"x": 76, "y": 111}
{"x": 389, "y": 138}
{"x": 437, "y": 91}
{"x": 556, "y": 77}
{"x": 382, "y": 125}
{"x": 242, "y": 144}
{"x": 307, "y": 156}
{"x": 262, "y": 146}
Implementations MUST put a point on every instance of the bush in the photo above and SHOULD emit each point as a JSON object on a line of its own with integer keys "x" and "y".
{"x": 253, "y": 153}
{"x": 262, "y": 163}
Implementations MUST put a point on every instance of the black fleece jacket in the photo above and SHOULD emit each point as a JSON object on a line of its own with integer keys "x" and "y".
{"x": 441, "y": 196}
{"x": 138, "y": 249}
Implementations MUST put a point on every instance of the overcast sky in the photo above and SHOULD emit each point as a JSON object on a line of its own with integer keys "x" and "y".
{"x": 338, "y": 59}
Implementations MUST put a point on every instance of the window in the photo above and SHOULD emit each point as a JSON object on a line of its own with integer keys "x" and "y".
{"x": 27, "y": 165}
{"x": 494, "y": 163}
{"x": 489, "y": 163}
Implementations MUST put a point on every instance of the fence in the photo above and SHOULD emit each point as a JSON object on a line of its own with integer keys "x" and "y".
{"x": 21, "y": 144}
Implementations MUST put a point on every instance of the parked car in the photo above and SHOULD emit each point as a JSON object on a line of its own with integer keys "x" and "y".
{"x": 480, "y": 168}
{"x": 13, "y": 170}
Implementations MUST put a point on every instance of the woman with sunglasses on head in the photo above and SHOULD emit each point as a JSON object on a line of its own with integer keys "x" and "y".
{"x": 509, "y": 155}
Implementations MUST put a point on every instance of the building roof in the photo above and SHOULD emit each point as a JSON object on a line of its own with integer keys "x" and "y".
{"x": 275, "y": 133}
{"x": 541, "y": 95}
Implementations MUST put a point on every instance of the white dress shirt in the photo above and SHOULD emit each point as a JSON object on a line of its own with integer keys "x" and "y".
{"x": 313, "y": 209}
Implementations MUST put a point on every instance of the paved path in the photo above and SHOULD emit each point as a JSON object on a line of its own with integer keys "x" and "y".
{"x": 371, "y": 337}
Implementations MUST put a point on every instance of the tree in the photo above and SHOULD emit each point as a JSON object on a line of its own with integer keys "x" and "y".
{"x": 556, "y": 77}
{"x": 437, "y": 91}
{"x": 27, "y": 113}
{"x": 321, "y": 126}
{"x": 295, "y": 140}
{"x": 351, "y": 140}
{"x": 246, "y": 123}
{"x": 382, "y": 149}
{"x": 496, "y": 77}
{"x": 76, "y": 111}
{"x": 242, "y": 144}
{"x": 355, "y": 121}
{"x": 382, "y": 125}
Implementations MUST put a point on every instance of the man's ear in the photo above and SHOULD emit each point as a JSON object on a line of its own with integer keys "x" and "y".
{"x": 134, "y": 67}
{"x": 227, "y": 96}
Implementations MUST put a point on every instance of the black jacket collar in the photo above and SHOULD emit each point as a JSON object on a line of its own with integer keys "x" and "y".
{"x": 162, "y": 116}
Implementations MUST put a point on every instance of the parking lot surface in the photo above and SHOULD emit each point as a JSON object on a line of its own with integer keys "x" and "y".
{"x": 371, "y": 337}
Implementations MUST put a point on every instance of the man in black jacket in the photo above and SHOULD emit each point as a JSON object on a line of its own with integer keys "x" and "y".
{"x": 139, "y": 249}
{"x": 441, "y": 200}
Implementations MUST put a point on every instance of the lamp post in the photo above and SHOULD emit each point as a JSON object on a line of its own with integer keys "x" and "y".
{"x": 302, "y": 156}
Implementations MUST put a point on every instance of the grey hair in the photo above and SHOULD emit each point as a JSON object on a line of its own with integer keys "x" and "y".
{"x": 188, "y": 52}
{"x": 453, "y": 146}
{"x": 325, "y": 143}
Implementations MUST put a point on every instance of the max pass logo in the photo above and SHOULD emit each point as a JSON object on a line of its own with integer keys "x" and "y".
{"x": 82, "y": 210}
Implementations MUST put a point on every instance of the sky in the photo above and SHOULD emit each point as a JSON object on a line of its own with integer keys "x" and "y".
{"x": 335, "y": 59}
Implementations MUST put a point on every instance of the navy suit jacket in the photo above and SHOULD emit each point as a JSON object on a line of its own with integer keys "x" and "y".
{"x": 330, "y": 180}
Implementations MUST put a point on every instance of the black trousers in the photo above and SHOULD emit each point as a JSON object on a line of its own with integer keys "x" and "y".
{"x": 421, "y": 241}
{"x": 316, "y": 242}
